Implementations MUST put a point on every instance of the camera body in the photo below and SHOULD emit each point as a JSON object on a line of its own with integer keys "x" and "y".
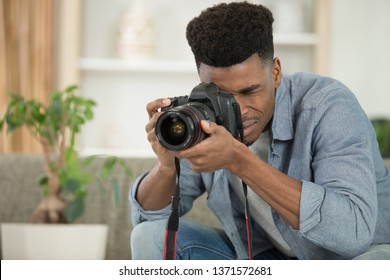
{"x": 179, "y": 127}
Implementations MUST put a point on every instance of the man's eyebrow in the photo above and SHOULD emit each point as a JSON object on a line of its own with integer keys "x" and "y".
{"x": 249, "y": 89}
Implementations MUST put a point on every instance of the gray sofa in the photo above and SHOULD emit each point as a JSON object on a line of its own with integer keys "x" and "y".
{"x": 20, "y": 194}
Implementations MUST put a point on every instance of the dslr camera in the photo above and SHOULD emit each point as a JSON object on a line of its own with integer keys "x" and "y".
{"x": 178, "y": 128}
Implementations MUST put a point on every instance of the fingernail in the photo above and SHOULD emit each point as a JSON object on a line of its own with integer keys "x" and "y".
{"x": 166, "y": 101}
{"x": 207, "y": 122}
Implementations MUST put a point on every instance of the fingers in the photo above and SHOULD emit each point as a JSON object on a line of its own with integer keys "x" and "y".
{"x": 201, "y": 149}
{"x": 154, "y": 113}
{"x": 212, "y": 153}
{"x": 208, "y": 127}
{"x": 152, "y": 107}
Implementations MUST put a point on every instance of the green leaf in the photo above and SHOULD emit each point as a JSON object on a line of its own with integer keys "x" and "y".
{"x": 80, "y": 120}
{"x": 90, "y": 103}
{"x": 117, "y": 192}
{"x": 84, "y": 178}
{"x": 55, "y": 111}
{"x": 15, "y": 115}
{"x": 71, "y": 185}
{"x": 108, "y": 166}
{"x": 36, "y": 115}
{"x": 88, "y": 113}
{"x": 126, "y": 168}
{"x": 88, "y": 160}
{"x": 70, "y": 154}
{"x": 75, "y": 209}
{"x": 55, "y": 95}
{"x": 43, "y": 180}
{"x": 71, "y": 88}
{"x": 12, "y": 128}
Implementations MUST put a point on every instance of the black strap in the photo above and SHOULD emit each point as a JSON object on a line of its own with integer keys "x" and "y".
{"x": 248, "y": 223}
{"x": 173, "y": 220}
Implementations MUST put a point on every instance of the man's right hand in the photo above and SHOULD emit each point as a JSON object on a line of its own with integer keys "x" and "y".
{"x": 157, "y": 187}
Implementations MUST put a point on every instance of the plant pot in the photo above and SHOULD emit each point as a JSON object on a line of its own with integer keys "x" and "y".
{"x": 53, "y": 242}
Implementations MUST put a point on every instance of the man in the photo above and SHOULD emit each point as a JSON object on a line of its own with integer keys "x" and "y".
{"x": 317, "y": 185}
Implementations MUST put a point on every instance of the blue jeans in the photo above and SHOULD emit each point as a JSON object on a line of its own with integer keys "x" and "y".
{"x": 194, "y": 241}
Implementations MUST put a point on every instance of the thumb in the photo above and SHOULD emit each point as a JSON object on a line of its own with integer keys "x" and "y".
{"x": 207, "y": 127}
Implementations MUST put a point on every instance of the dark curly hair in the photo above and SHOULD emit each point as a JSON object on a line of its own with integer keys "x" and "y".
{"x": 227, "y": 34}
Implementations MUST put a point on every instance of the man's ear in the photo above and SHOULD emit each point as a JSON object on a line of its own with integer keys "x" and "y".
{"x": 277, "y": 72}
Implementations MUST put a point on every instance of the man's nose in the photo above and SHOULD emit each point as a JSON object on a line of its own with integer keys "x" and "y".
{"x": 243, "y": 105}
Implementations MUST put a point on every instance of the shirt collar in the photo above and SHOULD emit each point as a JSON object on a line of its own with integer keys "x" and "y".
{"x": 282, "y": 125}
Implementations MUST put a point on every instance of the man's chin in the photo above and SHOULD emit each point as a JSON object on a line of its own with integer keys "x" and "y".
{"x": 248, "y": 141}
{"x": 251, "y": 138}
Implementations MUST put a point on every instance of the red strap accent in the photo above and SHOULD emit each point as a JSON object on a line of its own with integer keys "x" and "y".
{"x": 248, "y": 237}
{"x": 165, "y": 244}
{"x": 174, "y": 246}
{"x": 169, "y": 249}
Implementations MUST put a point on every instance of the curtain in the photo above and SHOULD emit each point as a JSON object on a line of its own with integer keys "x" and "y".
{"x": 26, "y": 61}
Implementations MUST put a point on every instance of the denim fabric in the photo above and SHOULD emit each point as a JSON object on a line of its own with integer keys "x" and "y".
{"x": 321, "y": 136}
{"x": 194, "y": 242}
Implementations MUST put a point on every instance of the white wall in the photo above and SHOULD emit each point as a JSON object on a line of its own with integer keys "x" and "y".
{"x": 360, "y": 51}
{"x": 171, "y": 18}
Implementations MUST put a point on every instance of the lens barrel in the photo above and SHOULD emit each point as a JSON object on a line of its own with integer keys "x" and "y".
{"x": 179, "y": 127}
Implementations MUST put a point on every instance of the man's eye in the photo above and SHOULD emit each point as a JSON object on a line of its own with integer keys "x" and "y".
{"x": 251, "y": 93}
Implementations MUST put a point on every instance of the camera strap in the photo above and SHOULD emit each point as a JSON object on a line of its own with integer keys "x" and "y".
{"x": 173, "y": 220}
{"x": 248, "y": 223}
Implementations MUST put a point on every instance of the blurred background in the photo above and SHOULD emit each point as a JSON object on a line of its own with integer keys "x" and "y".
{"x": 125, "y": 53}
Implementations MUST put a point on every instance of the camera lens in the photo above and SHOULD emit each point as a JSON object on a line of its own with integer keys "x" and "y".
{"x": 174, "y": 130}
{"x": 179, "y": 127}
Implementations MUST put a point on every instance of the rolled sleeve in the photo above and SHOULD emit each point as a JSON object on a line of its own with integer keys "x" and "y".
{"x": 312, "y": 197}
{"x": 138, "y": 214}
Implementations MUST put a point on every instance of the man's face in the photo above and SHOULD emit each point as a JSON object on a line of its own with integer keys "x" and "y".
{"x": 253, "y": 85}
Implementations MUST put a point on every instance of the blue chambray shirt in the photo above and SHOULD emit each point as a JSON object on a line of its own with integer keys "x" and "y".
{"x": 320, "y": 136}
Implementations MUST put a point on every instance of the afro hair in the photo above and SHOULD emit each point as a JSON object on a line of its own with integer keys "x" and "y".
{"x": 228, "y": 34}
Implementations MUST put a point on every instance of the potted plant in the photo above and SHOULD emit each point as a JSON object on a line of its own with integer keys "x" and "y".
{"x": 56, "y": 126}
